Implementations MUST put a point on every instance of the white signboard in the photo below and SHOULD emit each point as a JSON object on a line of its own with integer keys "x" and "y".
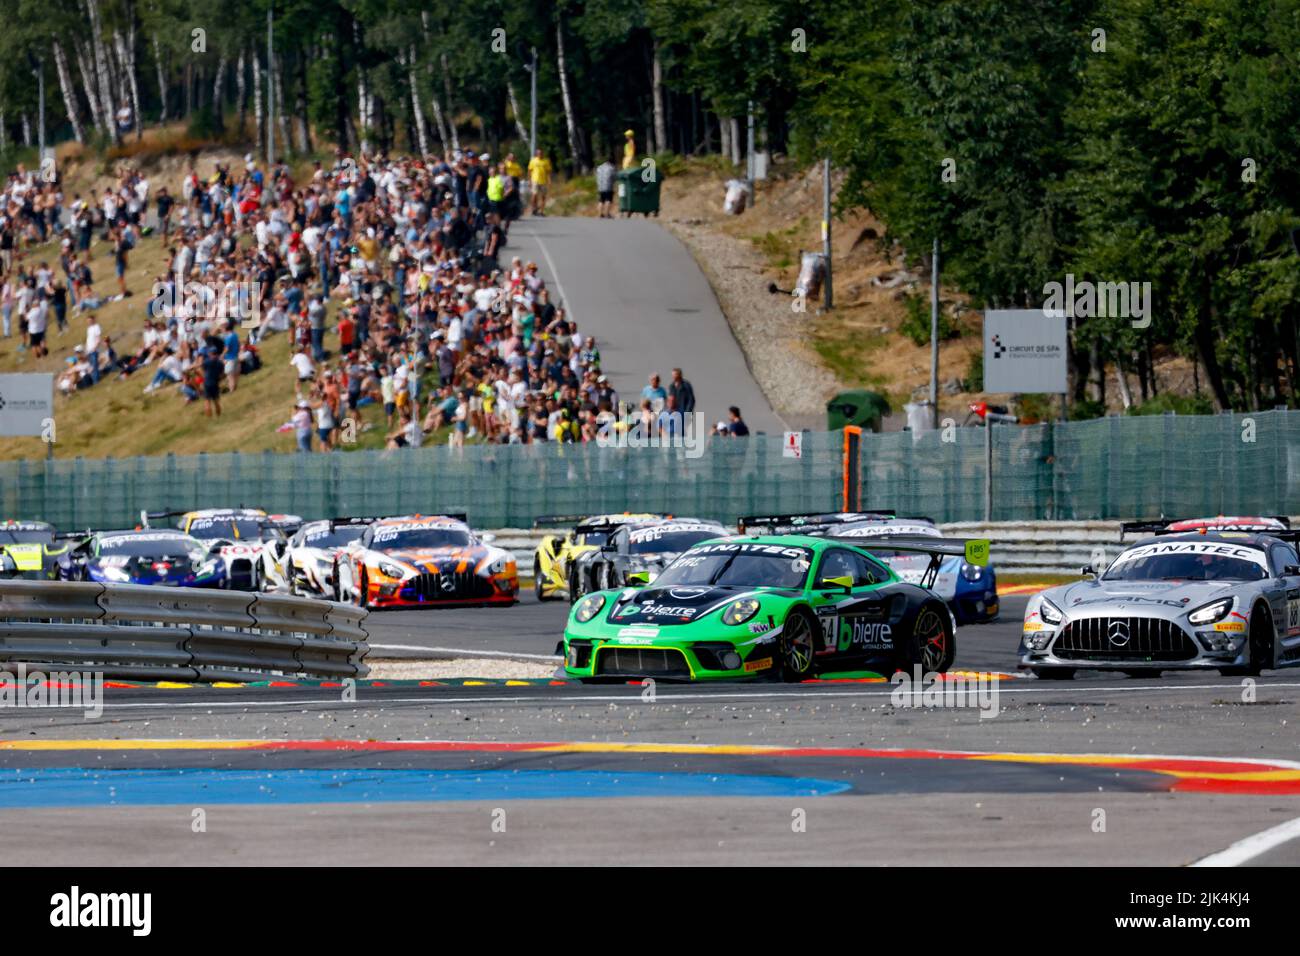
{"x": 26, "y": 403}
{"x": 793, "y": 445}
{"x": 1024, "y": 351}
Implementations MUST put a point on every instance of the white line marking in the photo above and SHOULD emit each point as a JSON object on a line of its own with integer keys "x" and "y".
{"x": 561, "y": 699}
{"x": 1258, "y": 844}
{"x": 463, "y": 652}
{"x": 555, "y": 274}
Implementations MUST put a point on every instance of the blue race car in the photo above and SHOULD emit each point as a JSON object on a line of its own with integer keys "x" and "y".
{"x": 145, "y": 556}
{"x": 970, "y": 590}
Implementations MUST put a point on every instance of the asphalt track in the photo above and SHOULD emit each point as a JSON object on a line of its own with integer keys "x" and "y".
{"x": 636, "y": 288}
{"x": 551, "y": 773}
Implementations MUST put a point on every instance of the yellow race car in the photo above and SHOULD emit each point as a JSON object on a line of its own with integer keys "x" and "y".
{"x": 554, "y": 559}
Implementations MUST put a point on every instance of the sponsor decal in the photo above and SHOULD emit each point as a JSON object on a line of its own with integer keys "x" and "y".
{"x": 761, "y": 664}
{"x": 773, "y": 550}
{"x": 1207, "y": 548}
{"x": 880, "y": 528}
{"x": 1232, "y": 627}
{"x": 759, "y": 627}
{"x": 857, "y": 630}
{"x": 1033, "y": 626}
{"x": 115, "y": 540}
{"x": 667, "y": 610}
{"x": 638, "y": 632}
{"x": 642, "y": 535}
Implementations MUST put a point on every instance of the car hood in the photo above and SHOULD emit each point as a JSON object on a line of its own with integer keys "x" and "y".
{"x": 441, "y": 560}
{"x": 680, "y": 604}
{"x": 1089, "y": 596}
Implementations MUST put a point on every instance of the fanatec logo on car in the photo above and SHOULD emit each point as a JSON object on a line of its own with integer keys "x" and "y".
{"x": 1118, "y": 633}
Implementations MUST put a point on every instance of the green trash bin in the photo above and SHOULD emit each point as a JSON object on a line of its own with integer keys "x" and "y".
{"x": 862, "y": 408}
{"x": 635, "y": 194}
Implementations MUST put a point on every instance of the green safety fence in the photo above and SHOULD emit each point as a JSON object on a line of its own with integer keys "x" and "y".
{"x": 1119, "y": 467}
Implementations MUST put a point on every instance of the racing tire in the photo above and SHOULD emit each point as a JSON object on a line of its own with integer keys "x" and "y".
{"x": 363, "y": 591}
{"x": 798, "y": 646}
{"x": 1053, "y": 673}
{"x": 576, "y": 585}
{"x": 932, "y": 643}
{"x": 537, "y": 582}
{"x": 1257, "y": 648}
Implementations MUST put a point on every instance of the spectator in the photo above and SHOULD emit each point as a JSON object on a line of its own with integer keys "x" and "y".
{"x": 682, "y": 393}
{"x": 301, "y": 422}
{"x": 654, "y": 393}
{"x": 230, "y": 345}
{"x": 737, "y": 427}
{"x": 94, "y": 335}
{"x": 213, "y": 368}
{"x": 605, "y": 174}
{"x": 539, "y": 178}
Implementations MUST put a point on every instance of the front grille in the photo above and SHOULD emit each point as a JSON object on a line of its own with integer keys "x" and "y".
{"x": 641, "y": 662}
{"x": 1102, "y": 639}
{"x": 452, "y": 586}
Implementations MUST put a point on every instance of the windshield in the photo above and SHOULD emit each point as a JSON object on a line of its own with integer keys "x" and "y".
{"x": 596, "y": 538}
{"x": 150, "y": 545}
{"x": 414, "y": 539}
{"x": 323, "y": 537}
{"x": 739, "y": 565}
{"x": 244, "y": 529}
{"x": 671, "y": 539}
{"x": 25, "y": 536}
{"x": 1189, "y": 561}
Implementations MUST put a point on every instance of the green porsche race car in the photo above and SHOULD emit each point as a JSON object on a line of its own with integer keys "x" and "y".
{"x": 749, "y": 606}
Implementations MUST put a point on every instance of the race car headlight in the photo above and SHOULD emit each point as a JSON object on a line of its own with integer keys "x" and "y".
{"x": 1212, "y": 612}
{"x": 1050, "y": 613}
{"x": 500, "y": 565}
{"x": 390, "y": 570}
{"x": 208, "y": 568}
{"x": 738, "y": 612}
{"x": 115, "y": 574}
{"x": 588, "y": 607}
{"x": 971, "y": 572}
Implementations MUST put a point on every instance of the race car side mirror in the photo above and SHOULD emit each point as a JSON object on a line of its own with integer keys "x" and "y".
{"x": 637, "y": 579}
{"x": 843, "y": 582}
{"x": 1291, "y": 570}
{"x": 609, "y": 548}
{"x": 487, "y": 538}
{"x": 1088, "y": 571}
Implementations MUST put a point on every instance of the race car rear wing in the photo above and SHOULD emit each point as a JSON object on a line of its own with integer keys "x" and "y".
{"x": 936, "y": 548}
{"x": 775, "y": 524}
{"x": 453, "y": 515}
{"x": 590, "y": 521}
{"x": 336, "y": 522}
{"x": 1164, "y": 526}
{"x": 547, "y": 521}
{"x": 147, "y": 516}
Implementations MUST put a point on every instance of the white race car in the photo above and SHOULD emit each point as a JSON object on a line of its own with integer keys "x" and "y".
{"x": 307, "y": 565}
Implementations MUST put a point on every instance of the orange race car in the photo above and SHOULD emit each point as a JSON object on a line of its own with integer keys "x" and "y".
{"x": 418, "y": 560}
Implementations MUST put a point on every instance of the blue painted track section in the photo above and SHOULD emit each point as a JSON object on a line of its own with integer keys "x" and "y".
{"x": 77, "y": 787}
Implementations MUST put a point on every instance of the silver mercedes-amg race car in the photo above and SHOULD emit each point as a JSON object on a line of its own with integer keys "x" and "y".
{"x": 1202, "y": 599}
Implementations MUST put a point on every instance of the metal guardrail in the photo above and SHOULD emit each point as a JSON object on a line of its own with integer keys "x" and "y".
{"x": 164, "y": 633}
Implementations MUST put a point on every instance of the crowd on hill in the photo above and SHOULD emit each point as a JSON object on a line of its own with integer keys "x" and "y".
{"x": 433, "y": 319}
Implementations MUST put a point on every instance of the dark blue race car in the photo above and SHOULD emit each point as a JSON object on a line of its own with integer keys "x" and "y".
{"x": 146, "y": 556}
